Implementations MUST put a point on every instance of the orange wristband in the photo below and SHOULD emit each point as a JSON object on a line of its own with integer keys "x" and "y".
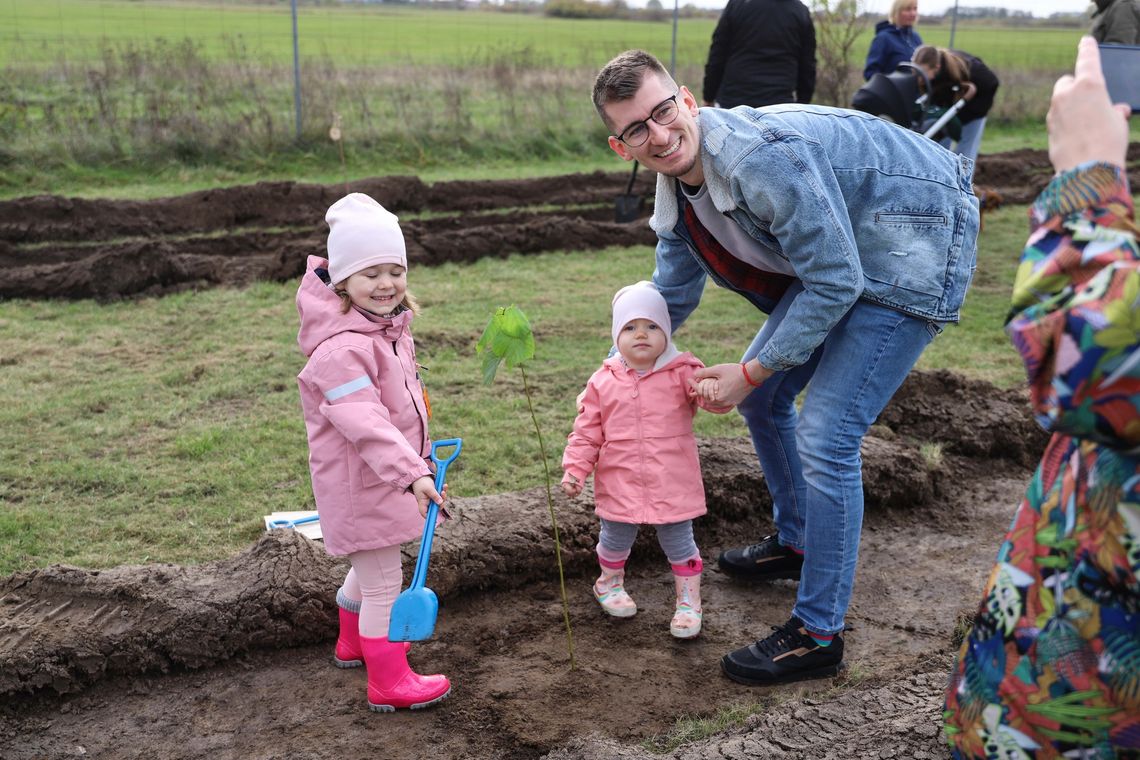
{"x": 747, "y": 377}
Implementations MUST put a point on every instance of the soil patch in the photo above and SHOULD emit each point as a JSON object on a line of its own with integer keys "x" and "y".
{"x": 55, "y": 247}
{"x": 232, "y": 659}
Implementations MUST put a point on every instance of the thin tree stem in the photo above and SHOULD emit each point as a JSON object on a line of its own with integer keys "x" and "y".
{"x": 553, "y": 521}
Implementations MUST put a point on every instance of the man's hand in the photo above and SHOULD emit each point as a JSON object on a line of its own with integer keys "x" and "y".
{"x": 424, "y": 490}
{"x": 728, "y": 385}
{"x": 1083, "y": 125}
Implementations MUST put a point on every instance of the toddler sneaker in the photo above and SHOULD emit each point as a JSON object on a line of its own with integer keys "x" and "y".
{"x": 610, "y": 593}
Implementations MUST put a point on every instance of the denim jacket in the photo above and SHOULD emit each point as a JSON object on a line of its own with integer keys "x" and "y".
{"x": 860, "y": 208}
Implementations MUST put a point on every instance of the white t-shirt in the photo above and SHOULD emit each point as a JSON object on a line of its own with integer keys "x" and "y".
{"x": 734, "y": 239}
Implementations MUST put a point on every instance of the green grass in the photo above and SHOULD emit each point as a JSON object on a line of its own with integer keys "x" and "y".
{"x": 693, "y": 728}
{"x": 689, "y": 729}
{"x": 43, "y": 30}
{"x": 376, "y": 34}
{"x": 146, "y": 98}
{"x": 163, "y": 429}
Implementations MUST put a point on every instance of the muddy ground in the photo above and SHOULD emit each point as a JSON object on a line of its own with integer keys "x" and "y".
{"x": 232, "y": 659}
{"x": 73, "y": 248}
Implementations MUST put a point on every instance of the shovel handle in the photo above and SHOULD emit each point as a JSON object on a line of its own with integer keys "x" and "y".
{"x": 285, "y": 522}
{"x": 419, "y": 577}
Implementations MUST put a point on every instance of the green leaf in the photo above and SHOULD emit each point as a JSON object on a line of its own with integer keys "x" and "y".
{"x": 507, "y": 338}
{"x": 490, "y": 367}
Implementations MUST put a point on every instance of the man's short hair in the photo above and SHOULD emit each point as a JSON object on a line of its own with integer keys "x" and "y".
{"x": 621, "y": 78}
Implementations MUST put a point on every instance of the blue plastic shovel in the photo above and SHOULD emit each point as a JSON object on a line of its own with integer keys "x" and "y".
{"x": 416, "y": 608}
{"x": 285, "y": 522}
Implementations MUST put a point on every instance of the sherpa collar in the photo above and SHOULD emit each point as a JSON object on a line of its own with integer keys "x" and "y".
{"x": 665, "y": 202}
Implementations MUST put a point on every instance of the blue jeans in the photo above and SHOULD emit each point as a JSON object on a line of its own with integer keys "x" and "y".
{"x": 971, "y": 140}
{"x": 811, "y": 460}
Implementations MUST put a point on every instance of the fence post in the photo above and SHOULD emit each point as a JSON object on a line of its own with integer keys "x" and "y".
{"x": 953, "y": 24}
{"x": 673, "y": 55}
{"x": 296, "y": 73}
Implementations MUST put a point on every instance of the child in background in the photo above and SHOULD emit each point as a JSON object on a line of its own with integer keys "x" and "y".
{"x": 634, "y": 430}
{"x": 367, "y": 422}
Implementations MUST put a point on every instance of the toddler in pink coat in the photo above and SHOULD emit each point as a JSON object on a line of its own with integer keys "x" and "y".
{"x": 634, "y": 431}
{"x": 367, "y": 421}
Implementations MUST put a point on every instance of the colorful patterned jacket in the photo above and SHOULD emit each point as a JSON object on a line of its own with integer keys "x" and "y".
{"x": 1051, "y": 667}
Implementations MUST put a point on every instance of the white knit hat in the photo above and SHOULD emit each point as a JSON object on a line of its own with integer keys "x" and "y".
{"x": 362, "y": 233}
{"x": 640, "y": 301}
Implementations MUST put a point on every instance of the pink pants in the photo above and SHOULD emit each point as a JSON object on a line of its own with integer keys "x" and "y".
{"x": 374, "y": 581}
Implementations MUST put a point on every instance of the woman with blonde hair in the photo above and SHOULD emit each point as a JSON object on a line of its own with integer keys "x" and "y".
{"x": 895, "y": 39}
{"x": 954, "y": 75}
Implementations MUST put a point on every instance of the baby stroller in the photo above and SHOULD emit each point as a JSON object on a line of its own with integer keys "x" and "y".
{"x": 898, "y": 97}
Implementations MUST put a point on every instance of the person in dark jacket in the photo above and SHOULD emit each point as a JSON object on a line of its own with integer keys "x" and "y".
{"x": 895, "y": 39}
{"x": 762, "y": 53}
{"x": 953, "y": 75}
{"x": 1116, "y": 22}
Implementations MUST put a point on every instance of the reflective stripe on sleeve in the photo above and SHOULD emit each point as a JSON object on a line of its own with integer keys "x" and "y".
{"x": 352, "y": 386}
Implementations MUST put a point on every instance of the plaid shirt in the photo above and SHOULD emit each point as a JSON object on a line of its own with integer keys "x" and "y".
{"x": 737, "y": 273}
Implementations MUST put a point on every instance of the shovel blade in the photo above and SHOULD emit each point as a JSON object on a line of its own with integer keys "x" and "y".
{"x": 627, "y": 208}
{"x": 413, "y": 615}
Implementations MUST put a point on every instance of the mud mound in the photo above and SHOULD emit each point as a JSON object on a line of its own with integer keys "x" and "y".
{"x": 1019, "y": 175}
{"x": 966, "y": 416}
{"x": 231, "y": 659}
{"x": 54, "y": 247}
{"x": 64, "y": 627}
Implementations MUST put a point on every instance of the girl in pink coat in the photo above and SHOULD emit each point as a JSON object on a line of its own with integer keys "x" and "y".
{"x": 367, "y": 420}
{"x": 634, "y": 431}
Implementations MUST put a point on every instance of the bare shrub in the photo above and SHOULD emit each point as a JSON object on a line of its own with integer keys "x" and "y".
{"x": 838, "y": 24}
{"x": 1023, "y": 95}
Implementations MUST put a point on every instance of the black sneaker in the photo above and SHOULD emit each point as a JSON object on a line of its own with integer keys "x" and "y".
{"x": 765, "y": 561}
{"x": 789, "y": 654}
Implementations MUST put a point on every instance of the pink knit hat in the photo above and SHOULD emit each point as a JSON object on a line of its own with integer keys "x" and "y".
{"x": 640, "y": 301}
{"x": 362, "y": 233}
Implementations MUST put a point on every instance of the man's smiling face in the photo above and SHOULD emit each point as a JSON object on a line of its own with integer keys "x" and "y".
{"x": 671, "y": 149}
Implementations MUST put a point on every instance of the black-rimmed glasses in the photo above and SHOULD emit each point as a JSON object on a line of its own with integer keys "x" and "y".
{"x": 663, "y": 113}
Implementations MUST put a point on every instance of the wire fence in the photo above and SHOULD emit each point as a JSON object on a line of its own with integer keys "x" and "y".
{"x": 91, "y": 81}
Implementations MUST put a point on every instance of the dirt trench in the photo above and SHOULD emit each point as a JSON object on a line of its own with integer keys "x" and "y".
{"x": 232, "y": 659}
{"x": 67, "y": 248}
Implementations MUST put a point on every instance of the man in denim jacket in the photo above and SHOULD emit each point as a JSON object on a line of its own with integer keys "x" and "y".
{"x": 858, "y": 238}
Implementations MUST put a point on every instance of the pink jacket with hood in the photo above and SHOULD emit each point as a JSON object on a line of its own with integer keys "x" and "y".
{"x": 636, "y": 434}
{"x": 366, "y": 418}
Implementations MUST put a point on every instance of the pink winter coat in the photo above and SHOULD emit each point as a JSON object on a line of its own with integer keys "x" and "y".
{"x": 636, "y": 435}
{"x": 366, "y": 418}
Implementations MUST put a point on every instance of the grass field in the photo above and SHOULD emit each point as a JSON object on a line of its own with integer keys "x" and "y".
{"x": 46, "y": 31}
{"x": 163, "y": 429}
{"x": 120, "y": 450}
{"x": 110, "y": 96}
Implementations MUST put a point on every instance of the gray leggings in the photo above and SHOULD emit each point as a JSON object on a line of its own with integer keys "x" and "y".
{"x": 676, "y": 539}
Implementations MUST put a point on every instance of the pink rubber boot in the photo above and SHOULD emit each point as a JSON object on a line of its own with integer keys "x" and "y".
{"x": 392, "y": 683}
{"x": 348, "y": 653}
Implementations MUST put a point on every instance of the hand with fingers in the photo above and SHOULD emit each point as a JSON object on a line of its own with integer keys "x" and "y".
{"x": 729, "y": 384}
{"x": 1084, "y": 125}
{"x": 424, "y": 490}
{"x": 571, "y": 486}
